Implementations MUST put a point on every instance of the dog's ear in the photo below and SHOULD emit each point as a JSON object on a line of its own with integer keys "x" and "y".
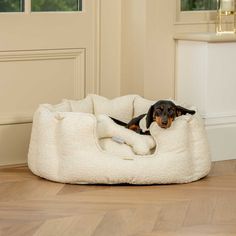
{"x": 183, "y": 111}
{"x": 149, "y": 117}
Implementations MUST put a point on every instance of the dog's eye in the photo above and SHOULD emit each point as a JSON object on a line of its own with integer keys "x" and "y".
{"x": 158, "y": 111}
{"x": 171, "y": 111}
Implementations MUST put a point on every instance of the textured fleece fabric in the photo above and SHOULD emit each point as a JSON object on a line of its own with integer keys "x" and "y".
{"x": 70, "y": 146}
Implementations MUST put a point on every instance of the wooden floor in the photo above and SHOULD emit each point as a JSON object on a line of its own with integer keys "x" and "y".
{"x": 33, "y": 206}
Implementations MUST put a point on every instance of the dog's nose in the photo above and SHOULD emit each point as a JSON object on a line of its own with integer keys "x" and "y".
{"x": 164, "y": 122}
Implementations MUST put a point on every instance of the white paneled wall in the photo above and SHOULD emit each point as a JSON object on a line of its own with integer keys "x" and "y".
{"x": 205, "y": 77}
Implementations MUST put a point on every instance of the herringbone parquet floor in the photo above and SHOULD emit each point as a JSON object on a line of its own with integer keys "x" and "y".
{"x": 33, "y": 206}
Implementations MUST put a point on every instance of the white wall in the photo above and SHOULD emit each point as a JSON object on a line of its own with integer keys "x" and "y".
{"x": 133, "y": 46}
{"x": 206, "y": 78}
{"x": 110, "y": 48}
{"x": 148, "y": 47}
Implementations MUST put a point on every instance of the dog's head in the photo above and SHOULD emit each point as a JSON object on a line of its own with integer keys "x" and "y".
{"x": 164, "y": 112}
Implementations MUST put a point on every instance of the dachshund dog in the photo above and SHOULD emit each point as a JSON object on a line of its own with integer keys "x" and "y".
{"x": 162, "y": 112}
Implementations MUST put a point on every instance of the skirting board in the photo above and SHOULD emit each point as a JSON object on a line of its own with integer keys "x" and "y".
{"x": 13, "y": 166}
{"x": 222, "y": 141}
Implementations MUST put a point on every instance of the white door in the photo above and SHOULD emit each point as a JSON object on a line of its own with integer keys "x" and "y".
{"x": 44, "y": 57}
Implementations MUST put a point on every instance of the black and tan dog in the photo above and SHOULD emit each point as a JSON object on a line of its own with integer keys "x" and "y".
{"x": 162, "y": 112}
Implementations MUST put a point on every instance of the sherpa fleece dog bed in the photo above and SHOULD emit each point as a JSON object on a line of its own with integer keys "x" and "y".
{"x": 76, "y": 142}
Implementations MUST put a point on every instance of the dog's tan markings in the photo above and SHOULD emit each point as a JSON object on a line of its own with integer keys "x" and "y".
{"x": 134, "y": 127}
{"x": 158, "y": 120}
{"x": 170, "y": 120}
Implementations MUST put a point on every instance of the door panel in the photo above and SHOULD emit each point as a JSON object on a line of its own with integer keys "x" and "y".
{"x": 37, "y": 77}
{"x": 44, "y": 57}
{"x": 55, "y": 30}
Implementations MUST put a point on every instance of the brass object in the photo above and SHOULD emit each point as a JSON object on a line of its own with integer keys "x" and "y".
{"x": 226, "y": 17}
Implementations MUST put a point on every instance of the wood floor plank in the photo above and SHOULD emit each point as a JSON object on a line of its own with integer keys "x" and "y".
{"x": 76, "y": 225}
{"x": 27, "y": 229}
{"x": 28, "y": 189}
{"x": 200, "y": 211}
{"x": 225, "y": 211}
{"x": 30, "y": 205}
{"x": 223, "y": 167}
{"x": 75, "y": 189}
{"x": 143, "y": 219}
{"x": 172, "y": 216}
{"x": 114, "y": 223}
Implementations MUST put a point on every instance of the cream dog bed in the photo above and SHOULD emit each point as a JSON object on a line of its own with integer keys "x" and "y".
{"x": 76, "y": 142}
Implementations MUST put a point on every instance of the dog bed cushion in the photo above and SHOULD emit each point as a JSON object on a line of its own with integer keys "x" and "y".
{"x": 70, "y": 146}
{"x": 84, "y": 105}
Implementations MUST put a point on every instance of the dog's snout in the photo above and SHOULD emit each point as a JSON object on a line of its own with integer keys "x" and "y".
{"x": 164, "y": 122}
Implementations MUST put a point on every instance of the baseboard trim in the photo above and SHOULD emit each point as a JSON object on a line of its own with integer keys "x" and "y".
{"x": 13, "y": 166}
{"x": 219, "y": 119}
{"x": 221, "y": 140}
